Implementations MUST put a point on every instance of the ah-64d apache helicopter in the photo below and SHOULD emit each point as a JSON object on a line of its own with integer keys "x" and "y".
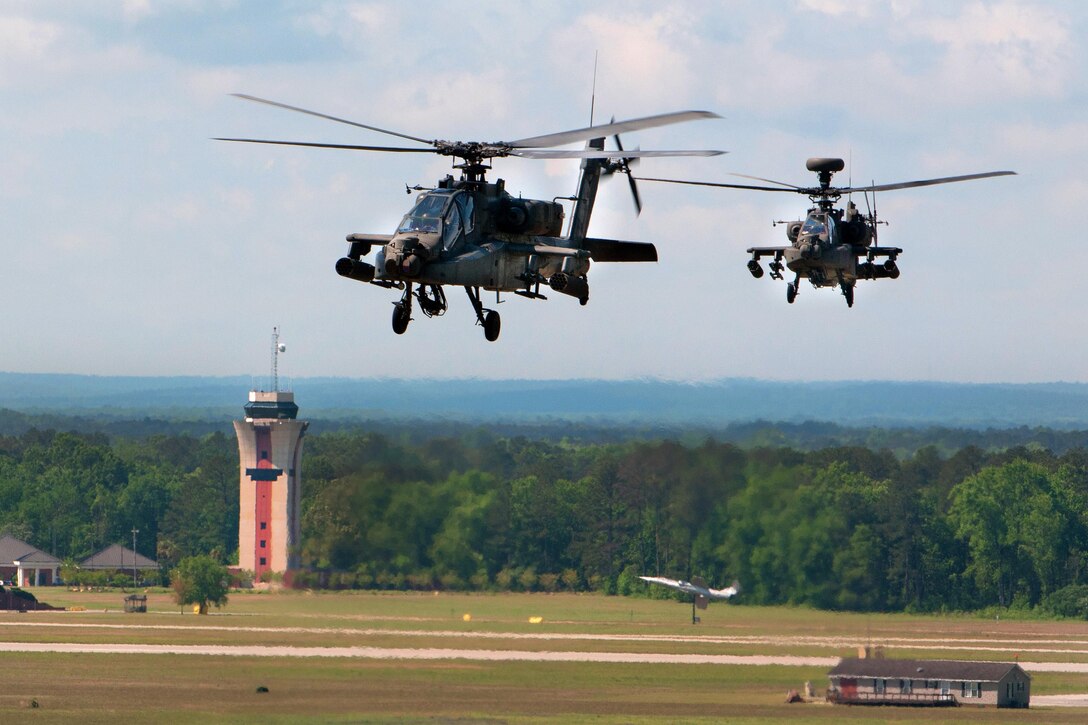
{"x": 474, "y": 234}
{"x": 828, "y": 246}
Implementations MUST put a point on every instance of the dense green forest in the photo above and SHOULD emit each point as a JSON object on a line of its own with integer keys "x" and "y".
{"x": 846, "y": 527}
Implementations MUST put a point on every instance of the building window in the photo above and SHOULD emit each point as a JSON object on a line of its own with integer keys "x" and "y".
{"x": 262, "y": 543}
{"x": 904, "y": 686}
{"x": 263, "y": 561}
{"x": 879, "y": 686}
{"x": 264, "y": 525}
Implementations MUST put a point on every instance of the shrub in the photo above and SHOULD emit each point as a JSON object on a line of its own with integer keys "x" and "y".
{"x": 504, "y": 580}
{"x": 527, "y": 579}
{"x": 571, "y": 580}
{"x": 200, "y": 580}
{"x": 480, "y": 581}
{"x": 1070, "y": 601}
{"x": 451, "y": 582}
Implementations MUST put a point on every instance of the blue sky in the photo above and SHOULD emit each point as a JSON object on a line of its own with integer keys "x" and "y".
{"x": 133, "y": 244}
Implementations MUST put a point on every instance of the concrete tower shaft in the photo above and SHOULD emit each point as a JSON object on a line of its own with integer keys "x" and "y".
{"x": 270, "y": 483}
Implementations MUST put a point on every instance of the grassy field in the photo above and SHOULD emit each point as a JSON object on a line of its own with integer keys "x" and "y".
{"x": 93, "y": 687}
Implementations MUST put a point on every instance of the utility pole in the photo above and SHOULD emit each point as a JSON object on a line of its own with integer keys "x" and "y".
{"x": 134, "y": 532}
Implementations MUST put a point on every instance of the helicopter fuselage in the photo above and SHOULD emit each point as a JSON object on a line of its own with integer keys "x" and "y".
{"x": 475, "y": 234}
{"x": 824, "y": 248}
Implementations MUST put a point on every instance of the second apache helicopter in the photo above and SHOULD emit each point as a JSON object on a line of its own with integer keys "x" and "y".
{"x": 827, "y": 248}
{"x": 474, "y": 234}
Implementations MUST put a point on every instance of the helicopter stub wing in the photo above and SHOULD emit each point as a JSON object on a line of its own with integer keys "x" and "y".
{"x": 758, "y": 252}
{"x": 370, "y": 238}
{"x": 545, "y": 249}
{"x": 880, "y": 251}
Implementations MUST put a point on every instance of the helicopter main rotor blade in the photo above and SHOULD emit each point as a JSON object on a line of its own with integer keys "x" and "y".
{"x": 330, "y": 118}
{"x": 609, "y": 129}
{"x": 794, "y": 187}
{"x": 395, "y": 149}
{"x": 606, "y": 154}
{"x": 712, "y": 183}
{"x": 925, "y": 182}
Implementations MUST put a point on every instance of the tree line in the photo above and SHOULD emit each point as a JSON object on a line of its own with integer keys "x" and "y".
{"x": 844, "y": 527}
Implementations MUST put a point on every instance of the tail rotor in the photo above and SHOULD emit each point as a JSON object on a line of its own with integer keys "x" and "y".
{"x": 623, "y": 166}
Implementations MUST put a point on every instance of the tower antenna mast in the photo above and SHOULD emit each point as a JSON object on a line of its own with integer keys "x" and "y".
{"x": 277, "y": 348}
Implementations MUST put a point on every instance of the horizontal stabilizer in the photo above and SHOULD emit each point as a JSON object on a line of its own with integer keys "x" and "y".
{"x": 614, "y": 250}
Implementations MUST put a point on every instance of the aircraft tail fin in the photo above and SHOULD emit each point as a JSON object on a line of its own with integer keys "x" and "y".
{"x": 587, "y": 193}
{"x": 699, "y": 582}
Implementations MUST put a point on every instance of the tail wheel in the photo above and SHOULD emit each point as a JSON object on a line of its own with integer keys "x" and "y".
{"x": 791, "y": 292}
{"x": 401, "y": 318}
{"x": 492, "y": 324}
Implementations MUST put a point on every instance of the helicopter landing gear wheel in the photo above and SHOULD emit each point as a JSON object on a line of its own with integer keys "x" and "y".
{"x": 791, "y": 292}
{"x": 488, "y": 319}
{"x": 848, "y": 293}
{"x": 492, "y": 324}
{"x": 401, "y": 318}
{"x": 402, "y": 311}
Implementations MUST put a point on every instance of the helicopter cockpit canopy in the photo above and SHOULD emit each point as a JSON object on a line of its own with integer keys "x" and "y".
{"x": 820, "y": 226}
{"x": 426, "y": 215}
{"x": 815, "y": 226}
{"x": 446, "y": 213}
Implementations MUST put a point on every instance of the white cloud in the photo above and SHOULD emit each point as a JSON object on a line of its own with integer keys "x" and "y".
{"x": 836, "y": 8}
{"x": 23, "y": 44}
{"x": 644, "y": 59}
{"x": 1004, "y": 47}
{"x": 136, "y": 10}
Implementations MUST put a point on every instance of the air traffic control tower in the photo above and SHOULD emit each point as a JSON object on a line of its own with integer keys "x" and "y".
{"x": 270, "y": 481}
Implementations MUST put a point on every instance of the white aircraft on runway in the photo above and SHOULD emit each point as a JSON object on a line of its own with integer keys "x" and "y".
{"x": 697, "y": 587}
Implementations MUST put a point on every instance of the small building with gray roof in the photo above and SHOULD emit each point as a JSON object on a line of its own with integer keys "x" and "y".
{"x": 117, "y": 558}
{"x": 877, "y": 681}
{"x": 25, "y": 565}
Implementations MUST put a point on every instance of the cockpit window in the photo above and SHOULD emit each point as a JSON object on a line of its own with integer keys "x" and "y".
{"x": 451, "y": 230}
{"x": 813, "y": 226}
{"x": 467, "y": 205}
{"x": 426, "y": 215}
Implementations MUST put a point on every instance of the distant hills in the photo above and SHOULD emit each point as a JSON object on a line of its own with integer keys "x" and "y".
{"x": 631, "y": 402}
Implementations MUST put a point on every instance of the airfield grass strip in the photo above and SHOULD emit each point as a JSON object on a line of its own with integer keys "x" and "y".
{"x": 199, "y": 688}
